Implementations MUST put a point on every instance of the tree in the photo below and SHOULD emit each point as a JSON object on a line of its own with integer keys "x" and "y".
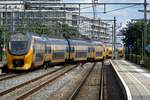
{"x": 38, "y": 28}
{"x": 133, "y": 35}
{"x": 69, "y": 31}
{"x": 55, "y": 28}
{"x": 4, "y": 31}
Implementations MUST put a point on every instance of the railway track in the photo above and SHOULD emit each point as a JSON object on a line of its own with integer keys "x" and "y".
{"x": 25, "y": 89}
{"x": 8, "y": 76}
{"x": 82, "y": 82}
{"x": 3, "y": 74}
{"x": 91, "y": 85}
{"x": 102, "y": 84}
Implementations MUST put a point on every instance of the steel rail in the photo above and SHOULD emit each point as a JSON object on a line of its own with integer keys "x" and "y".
{"x": 30, "y": 92}
{"x": 74, "y": 94}
{"x": 101, "y": 84}
{"x": 8, "y": 76}
{"x": 27, "y": 82}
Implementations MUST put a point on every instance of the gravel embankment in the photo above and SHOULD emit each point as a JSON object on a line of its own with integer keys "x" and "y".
{"x": 62, "y": 87}
{"x": 90, "y": 89}
{"x": 20, "y": 91}
{"x": 6, "y": 84}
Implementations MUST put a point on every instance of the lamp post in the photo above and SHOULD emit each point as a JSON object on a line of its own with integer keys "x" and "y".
{"x": 144, "y": 34}
{"x": 6, "y": 25}
{"x": 114, "y": 38}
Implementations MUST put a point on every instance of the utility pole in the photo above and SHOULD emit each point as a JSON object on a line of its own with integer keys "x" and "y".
{"x": 144, "y": 34}
{"x": 114, "y": 39}
{"x": 79, "y": 19}
{"x": 94, "y": 15}
{"x": 94, "y": 8}
{"x": 4, "y": 33}
{"x": 6, "y": 24}
{"x": 145, "y": 23}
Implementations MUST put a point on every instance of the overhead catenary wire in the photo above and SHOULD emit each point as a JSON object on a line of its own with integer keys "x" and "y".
{"x": 120, "y": 8}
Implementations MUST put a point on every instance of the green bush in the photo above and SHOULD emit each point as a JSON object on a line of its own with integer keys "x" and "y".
{"x": 136, "y": 59}
{"x": 147, "y": 62}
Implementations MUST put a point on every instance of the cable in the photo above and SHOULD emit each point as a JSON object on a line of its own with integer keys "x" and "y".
{"x": 120, "y": 8}
{"x": 86, "y": 7}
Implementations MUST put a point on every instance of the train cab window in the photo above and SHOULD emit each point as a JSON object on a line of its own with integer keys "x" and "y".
{"x": 18, "y": 47}
{"x": 18, "y": 44}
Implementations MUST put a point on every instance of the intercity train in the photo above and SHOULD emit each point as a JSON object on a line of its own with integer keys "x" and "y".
{"x": 120, "y": 50}
{"x": 30, "y": 51}
{"x": 109, "y": 50}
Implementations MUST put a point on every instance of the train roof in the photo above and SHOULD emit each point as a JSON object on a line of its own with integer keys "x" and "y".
{"x": 52, "y": 40}
{"x": 79, "y": 42}
{"x": 56, "y": 41}
{"x": 19, "y": 37}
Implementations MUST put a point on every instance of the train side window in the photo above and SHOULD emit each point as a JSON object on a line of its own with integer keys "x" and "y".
{"x": 49, "y": 49}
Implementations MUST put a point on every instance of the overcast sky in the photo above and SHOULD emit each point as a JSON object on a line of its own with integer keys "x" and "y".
{"x": 122, "y": 15}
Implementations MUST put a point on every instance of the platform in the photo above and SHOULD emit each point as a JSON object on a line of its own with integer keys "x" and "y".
{"x": 135, "y": 78}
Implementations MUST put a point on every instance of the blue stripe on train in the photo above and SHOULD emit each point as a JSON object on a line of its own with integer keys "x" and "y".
{"x": 58, "y": 55}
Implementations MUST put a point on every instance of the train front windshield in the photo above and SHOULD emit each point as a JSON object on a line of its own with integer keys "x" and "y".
{"x": 18, "y": 45}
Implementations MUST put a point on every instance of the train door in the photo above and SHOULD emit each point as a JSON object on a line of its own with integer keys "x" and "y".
{"x": 39, "y": 52}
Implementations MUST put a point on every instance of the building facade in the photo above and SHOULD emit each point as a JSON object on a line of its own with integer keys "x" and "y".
{"x": 16, "y": 12}
{"x": 22, "y": 13}
{"x": 95, "y": 29}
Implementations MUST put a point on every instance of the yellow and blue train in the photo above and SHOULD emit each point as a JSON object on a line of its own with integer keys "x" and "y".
{"x": 109, "y": 50}
{"x": 120, "y": 50}
{"x": 29, "y": 51}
